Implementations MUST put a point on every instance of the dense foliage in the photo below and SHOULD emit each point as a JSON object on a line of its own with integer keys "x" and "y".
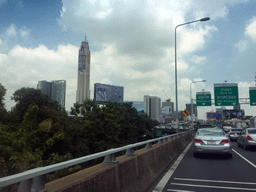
{"x": 38, "y": 132}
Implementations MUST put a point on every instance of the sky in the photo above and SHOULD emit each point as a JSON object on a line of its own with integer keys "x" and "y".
{"x": 132, "y": 45}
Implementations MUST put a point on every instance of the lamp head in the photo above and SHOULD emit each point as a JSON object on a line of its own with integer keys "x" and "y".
{"x": 205, "y": 19}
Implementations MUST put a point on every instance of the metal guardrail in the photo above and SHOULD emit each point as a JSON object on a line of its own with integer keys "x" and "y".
{"x": 34, "y": 179}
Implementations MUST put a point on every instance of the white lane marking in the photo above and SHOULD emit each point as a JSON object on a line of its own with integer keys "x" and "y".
{"x": 216, "y": 181}
{"x": 212, "y": 186}
{"x": 177, "y": 190}
{"x": 160, "y": 186}
{"x": 244, "y": 158}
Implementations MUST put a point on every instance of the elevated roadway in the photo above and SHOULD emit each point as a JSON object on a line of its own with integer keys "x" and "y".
{"x": 211, "y": 173}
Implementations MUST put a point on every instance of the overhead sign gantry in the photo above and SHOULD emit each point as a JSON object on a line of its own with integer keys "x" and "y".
{"x": 203, "y": 99}
{"x": 226, "y": 94}
{"x": 252, "y": 93}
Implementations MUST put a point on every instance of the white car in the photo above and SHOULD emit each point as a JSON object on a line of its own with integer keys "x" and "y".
{"x": 212, "y": 141}
{"x": 247, "y": 138}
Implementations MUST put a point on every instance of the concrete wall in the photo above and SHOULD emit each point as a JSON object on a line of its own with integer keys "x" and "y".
{"x": 131, "y": 173}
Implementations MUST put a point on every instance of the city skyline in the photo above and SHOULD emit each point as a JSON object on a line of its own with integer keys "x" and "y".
{"x": 131, "y": 45}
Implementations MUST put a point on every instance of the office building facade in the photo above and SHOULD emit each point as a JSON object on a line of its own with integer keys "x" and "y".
{"x": 56, "y": 90}
{"x": 153, "y": 106}
{"x": 83, "y": 81}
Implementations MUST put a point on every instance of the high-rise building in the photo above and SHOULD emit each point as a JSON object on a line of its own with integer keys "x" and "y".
{"x": 45, "y": 87}
{"x": 189, "y": 108}
{"x": 56, "y": 90}
{"x": 83, "y": 82}
{"x": 153, "y": 106}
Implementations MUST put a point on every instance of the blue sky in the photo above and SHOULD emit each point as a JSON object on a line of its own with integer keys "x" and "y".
{"x": 132, "y": 45}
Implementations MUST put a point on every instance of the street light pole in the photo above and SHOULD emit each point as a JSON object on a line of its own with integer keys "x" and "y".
{"x": 191, "y": 101}
{"x": 176, "y": 89}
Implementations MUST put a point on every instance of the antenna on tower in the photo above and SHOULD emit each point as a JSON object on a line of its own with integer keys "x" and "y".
{"x": 168, "y": 99}
{"x": 85, "y": 37}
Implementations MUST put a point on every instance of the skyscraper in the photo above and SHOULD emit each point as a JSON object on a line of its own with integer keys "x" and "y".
{"x": 56, "y": 90}
{"x": 83, "y": 82}
{"x": 153, "y": 106}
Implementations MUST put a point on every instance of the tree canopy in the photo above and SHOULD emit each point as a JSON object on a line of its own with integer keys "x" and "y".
{"x": 39, "y": 132}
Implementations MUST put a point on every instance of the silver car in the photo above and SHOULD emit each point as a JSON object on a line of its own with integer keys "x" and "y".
{"x": 247, "y": 138}
{"x": 233, "y": 134}
{"x": 212, "y": 140}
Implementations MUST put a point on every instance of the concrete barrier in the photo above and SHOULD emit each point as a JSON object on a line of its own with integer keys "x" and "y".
{"x": 131, "y": 173}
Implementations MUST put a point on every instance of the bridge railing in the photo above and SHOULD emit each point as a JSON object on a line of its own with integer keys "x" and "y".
{"x": 34, "y": 179}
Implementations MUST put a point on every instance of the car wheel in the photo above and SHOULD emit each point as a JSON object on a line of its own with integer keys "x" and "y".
{"x": 195, "y": 154}
{"x": 230, "y": 155}
{"x": 245, "y": 147}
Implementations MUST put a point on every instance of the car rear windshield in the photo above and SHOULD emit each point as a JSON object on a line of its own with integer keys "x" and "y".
{"x": 236, "y": 129}
{"x": 252, "y": 131}
{"x": 205, "y": 126}
{"x": 210, "y": 132}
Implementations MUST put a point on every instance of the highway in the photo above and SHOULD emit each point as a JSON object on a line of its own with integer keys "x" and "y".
{"x": 210, "y": 173}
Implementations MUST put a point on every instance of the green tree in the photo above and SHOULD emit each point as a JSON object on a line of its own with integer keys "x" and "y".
{"x": 2, "y": 94}
{"x": 3, "y": 112}
{"x": 24, "y": 97}
{"x": 112, "y": 125}
{"x": 28, "y": 144}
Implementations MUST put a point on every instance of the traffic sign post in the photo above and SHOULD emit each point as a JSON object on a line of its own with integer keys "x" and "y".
{"x": 185, "y": 113}
{"x": 203, "y": 99}
{"x": 226, "y": 94}
{"x": 252, "y": 93}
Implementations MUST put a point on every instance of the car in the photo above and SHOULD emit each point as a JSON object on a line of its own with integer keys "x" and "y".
{"x": 247, "y": 138}
{"x": 233, "y": 134}
{"x": 212, "y": 141}
{"x": 204, "y": 126}
{"x": 226, "y": 129}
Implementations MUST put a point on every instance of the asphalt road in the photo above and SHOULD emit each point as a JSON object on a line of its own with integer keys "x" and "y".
{"x": 211, "y": 172}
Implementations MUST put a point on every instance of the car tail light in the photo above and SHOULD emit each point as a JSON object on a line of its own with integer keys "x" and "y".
{"x": 232, "y": 134}
{"x": 249, "y": 138}
{"x": 225, "y": 141}
{"x": 198, "y": 141}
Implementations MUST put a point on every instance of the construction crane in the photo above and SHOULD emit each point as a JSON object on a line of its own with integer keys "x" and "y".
{"x": 168, "y": 100}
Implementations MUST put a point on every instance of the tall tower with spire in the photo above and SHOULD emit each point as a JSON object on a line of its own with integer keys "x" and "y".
{"x": 83, "y": 82}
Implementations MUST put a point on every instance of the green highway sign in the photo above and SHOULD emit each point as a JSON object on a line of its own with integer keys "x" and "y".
{"x": 203, "y": 99}
{"x": 252, "y": 93}
{"x": 226, "y": 94}
{"x": 159, "y": 133}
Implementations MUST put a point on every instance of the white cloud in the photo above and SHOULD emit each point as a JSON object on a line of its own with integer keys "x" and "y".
{"x": 3, "y": 57}
{"x": 24, "y": 31}
{"x": 24, "y": 67}
{"x": 197, "y": 59}
{"x": 194, "y": 38}
{"x": 250, "y": 33}
{"x": 241, "y": 45}
{"x": 250, "y": 29}
{"x": 135, "y": 27}
{"x": 216, "y": 9}
{"x": 11, "y": 31}
{"x": 222, "y": 13}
